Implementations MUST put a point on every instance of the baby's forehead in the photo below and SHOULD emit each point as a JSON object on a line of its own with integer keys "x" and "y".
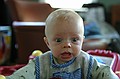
{"x": 68, "y": 34}
{"x": 62, "y": 17}
{"x": 62, "y": 12}
{"x": 66, "y": 16}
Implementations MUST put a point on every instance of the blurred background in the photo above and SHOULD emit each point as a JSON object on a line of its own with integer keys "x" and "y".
{"x": 22, "y": 25}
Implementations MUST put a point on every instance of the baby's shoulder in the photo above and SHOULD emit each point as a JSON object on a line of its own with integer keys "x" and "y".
{"x": 83, "y": 56}
{"x": 46, "y": 54}
{"x": 45, "y": 57}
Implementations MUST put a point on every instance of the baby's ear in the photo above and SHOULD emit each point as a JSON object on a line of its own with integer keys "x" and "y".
{"x": 46, "y": 41}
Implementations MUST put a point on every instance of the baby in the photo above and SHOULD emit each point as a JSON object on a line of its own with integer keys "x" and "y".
{"x": 64, "y": 32}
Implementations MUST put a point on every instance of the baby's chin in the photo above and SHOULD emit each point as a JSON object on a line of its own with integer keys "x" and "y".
{"x": 62, "y": 61}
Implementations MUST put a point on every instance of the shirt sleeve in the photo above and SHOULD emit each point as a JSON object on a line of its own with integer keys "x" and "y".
{"x": 26, "y": 72}
{"x": 101, "y": 71}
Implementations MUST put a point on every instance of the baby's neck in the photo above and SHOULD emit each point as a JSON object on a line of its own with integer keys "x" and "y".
{"x": 57, "y": 62}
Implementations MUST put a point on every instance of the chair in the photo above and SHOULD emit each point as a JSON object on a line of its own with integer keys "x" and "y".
{"x": 24, "y": 10}
{"x": 29, "y": 37}
{"x": 28, "y": 11}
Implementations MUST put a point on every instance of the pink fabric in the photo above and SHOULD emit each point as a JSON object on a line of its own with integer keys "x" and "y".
{"x": 8, "y": 70}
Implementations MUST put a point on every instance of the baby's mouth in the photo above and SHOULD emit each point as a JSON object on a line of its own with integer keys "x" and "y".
{"x": 66, "y": 55}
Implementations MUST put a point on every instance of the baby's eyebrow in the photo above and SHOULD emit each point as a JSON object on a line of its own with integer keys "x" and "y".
{"x": 78, "y": 35}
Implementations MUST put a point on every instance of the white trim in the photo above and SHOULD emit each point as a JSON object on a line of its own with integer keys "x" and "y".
{"x": 17, "y": 23}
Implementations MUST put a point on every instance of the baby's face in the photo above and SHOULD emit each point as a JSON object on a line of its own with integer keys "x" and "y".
{"x": 65, "y": 40}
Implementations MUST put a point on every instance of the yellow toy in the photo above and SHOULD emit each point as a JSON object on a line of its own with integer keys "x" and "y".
{"x": 37, "y": 53}
{"x": 2, "y": 77}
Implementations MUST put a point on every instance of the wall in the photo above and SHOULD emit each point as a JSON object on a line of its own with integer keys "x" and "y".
{"x": 109, "y": 3}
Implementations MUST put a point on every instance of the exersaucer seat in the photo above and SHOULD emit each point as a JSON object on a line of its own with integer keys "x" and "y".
{"x": 8, "y": 70}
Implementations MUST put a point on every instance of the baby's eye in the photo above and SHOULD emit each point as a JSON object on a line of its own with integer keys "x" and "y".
{"x": 74, "y": 39}
{"x": 58, "y": 40}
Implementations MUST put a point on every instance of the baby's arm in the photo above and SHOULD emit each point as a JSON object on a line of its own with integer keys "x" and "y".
{"x": 101, "y": 71}
{"x": 107, "y": 73}
{"x": 27, "y": 72}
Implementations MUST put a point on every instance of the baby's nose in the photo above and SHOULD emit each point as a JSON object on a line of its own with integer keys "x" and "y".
{"x": 67, "y": 45}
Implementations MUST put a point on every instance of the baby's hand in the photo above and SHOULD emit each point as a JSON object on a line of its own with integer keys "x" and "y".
{"x": 2, "y": 77}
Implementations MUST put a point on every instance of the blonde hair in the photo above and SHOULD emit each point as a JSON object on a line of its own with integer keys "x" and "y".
{"x": 58, "y": 15}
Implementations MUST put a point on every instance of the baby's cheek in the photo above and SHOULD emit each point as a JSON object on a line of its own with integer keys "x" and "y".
{"x": 77, "y": 50}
